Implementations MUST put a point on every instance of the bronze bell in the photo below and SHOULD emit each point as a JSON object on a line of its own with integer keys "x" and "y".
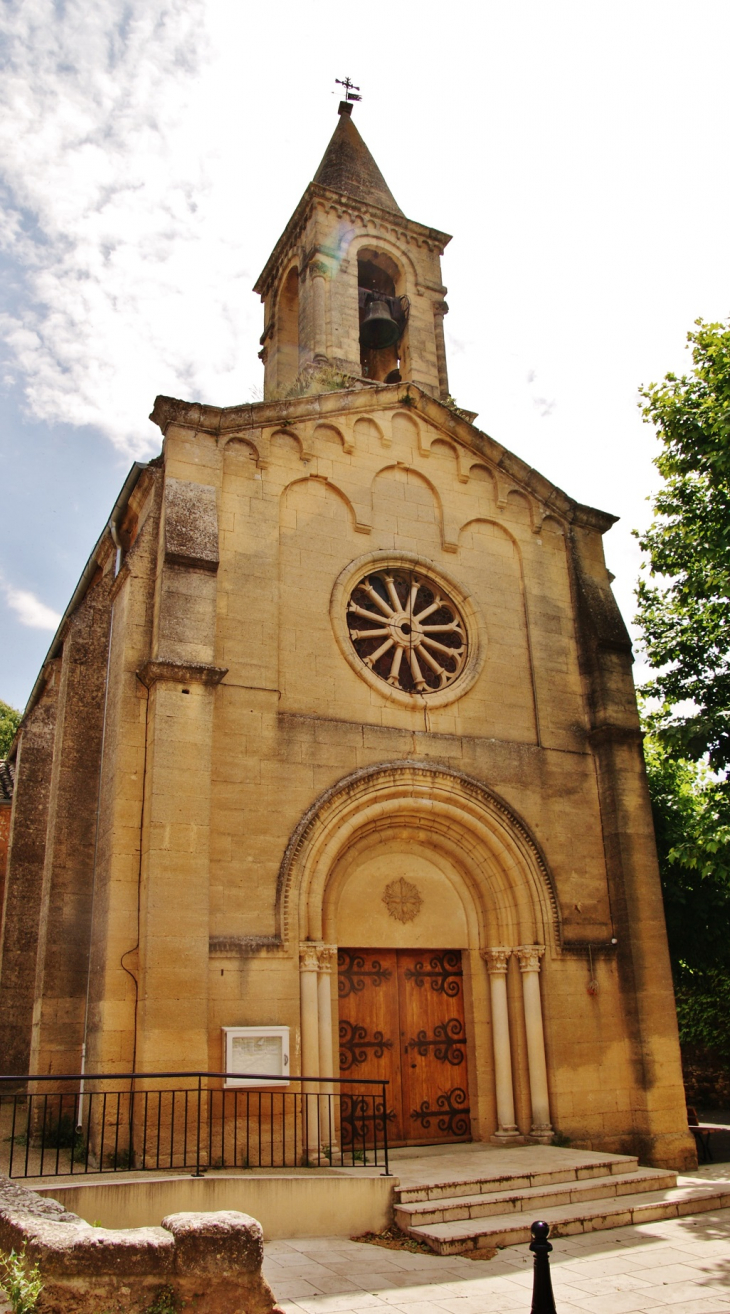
{"x": 378, "y": 328}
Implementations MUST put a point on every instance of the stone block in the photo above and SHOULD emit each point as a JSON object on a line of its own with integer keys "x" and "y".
{"x": 191, "y": 524}
{"x": 210, "y": 1259}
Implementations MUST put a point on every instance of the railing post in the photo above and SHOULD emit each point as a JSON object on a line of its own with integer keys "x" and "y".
{"x": 543, "y": 1301}
{"x": 385, "y": 1130}
{"x": 197, "y": 1146}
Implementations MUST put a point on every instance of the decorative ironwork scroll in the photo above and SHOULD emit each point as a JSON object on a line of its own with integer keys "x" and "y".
{"x": 446, "y": 1042}
{"x": 444, "y": 972}
{"x": 361, "y": 1119}
{"x": 451, "y": 1113}
{"x": 354, "y": 1045}
{"x": 353, "y": 975}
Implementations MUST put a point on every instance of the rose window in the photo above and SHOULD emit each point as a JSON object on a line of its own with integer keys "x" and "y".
{"x": 405, "y": 629}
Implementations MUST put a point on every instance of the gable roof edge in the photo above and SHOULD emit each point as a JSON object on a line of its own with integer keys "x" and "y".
{"x": 224, "y": 419}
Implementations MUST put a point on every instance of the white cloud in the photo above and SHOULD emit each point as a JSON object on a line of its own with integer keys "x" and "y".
{"x": 125, "y": 290}
{"x": 149, "y": 150}
{"x": 30, "y": 610}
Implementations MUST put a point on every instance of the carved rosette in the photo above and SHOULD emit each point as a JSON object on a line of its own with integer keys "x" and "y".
{"x": 529, "y": 955}
{"x": 403, "y": 900}
{"x": 496, "y": 959}
{"x": 309, "y": 957}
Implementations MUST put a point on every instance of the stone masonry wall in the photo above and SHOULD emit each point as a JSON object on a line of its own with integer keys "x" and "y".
{"x": 23, "y": 896}
{"x": 68, "y": 876}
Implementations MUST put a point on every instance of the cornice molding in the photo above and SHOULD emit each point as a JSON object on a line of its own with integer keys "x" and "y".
{"x": 245, "y": 946}
{"x": 180, "y": 673}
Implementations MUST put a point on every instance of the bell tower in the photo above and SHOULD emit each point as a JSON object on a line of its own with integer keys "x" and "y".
{"x": 352, "y": 285}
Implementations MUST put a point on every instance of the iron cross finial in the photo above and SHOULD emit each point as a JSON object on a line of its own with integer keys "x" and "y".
{"x": 350, "y": 88}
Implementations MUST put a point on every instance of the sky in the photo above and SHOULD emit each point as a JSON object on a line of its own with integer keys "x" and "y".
{"x": 152, "y": 151}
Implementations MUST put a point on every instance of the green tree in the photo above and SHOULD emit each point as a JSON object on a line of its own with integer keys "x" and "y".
{"x": 692, "y": 824}
{"x": 683, "y": 613}
{"x": 684, "y": 606}
{"x": 9, "y": 722}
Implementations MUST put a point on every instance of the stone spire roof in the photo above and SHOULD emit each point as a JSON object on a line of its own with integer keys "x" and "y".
{"x": 347, "y": 166}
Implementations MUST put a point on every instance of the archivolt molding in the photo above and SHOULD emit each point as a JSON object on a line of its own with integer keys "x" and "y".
{"x": 503, "y": 865}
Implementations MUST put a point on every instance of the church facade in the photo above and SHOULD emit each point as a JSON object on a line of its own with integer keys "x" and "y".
{"x": 338, "y": 738}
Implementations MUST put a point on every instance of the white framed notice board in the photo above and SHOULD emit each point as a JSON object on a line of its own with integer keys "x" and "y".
{"x": 260, "y": 1050}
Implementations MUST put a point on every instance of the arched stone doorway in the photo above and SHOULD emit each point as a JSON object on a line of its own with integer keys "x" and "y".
{"x": 406, "y": 871}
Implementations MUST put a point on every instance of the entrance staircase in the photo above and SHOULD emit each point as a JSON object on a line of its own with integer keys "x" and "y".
{"x": 465, "y": 1211}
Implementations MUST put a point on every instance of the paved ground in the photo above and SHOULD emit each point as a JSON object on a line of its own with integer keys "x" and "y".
{"x": 682, "y": 1266}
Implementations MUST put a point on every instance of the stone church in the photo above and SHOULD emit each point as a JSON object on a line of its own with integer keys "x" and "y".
{"x": 337, "y": 744}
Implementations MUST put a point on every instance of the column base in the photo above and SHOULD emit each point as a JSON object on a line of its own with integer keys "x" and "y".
{"x": 541, "y": 1136}
{"x": 507, "y": 1136}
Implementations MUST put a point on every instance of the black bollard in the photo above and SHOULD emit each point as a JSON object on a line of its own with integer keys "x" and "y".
{"x": 543, "y": 1301}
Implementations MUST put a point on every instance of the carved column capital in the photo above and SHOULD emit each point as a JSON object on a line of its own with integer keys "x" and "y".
{"x": 309, "y": 957}
{"x": 318, "y": 269}
{"x": 327, "y": 958}
{"x": 496, "y": 959}
{"x": 529, "y": 955}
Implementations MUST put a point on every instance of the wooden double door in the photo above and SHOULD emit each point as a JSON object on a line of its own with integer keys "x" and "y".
{"x": 401, "y": 1018}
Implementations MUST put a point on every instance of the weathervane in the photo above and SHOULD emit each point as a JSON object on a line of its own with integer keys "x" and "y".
{"x": 350, "y": 88}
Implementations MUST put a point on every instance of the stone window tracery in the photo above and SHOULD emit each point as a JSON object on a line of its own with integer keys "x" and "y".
{"x": 407, "y": 630}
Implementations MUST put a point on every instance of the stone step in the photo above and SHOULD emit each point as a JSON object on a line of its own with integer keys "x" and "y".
{"x": 534, "y": 1199}
{"x": 460, "y": 1237}
{"x": 484, "y": 1184}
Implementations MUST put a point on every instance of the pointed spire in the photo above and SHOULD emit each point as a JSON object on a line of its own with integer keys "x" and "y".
{"x": 347, "y": 166}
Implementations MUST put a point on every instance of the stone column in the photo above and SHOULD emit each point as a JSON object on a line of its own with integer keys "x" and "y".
{"x": 496, "y": 960}
{"x": 439, "y": 310}
{"x": 528, "y": 956}
{"x": 318, "y": 273}
{"x": 308, "y": 978}
{"x": 327, "y": 960}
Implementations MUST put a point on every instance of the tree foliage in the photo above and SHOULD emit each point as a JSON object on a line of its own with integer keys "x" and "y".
{"x": 692, "y": 824}
{"x": 683, "y": 612}
{"x": 9, "y": 722}
{"x": 684, "y": 607}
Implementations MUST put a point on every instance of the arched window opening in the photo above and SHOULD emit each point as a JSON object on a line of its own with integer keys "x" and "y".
{"x": 288, "y": 330}
{"x": 383, "y": 316}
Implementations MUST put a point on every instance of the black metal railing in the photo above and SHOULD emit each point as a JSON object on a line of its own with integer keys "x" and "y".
{"x": 54, "y": 1126}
